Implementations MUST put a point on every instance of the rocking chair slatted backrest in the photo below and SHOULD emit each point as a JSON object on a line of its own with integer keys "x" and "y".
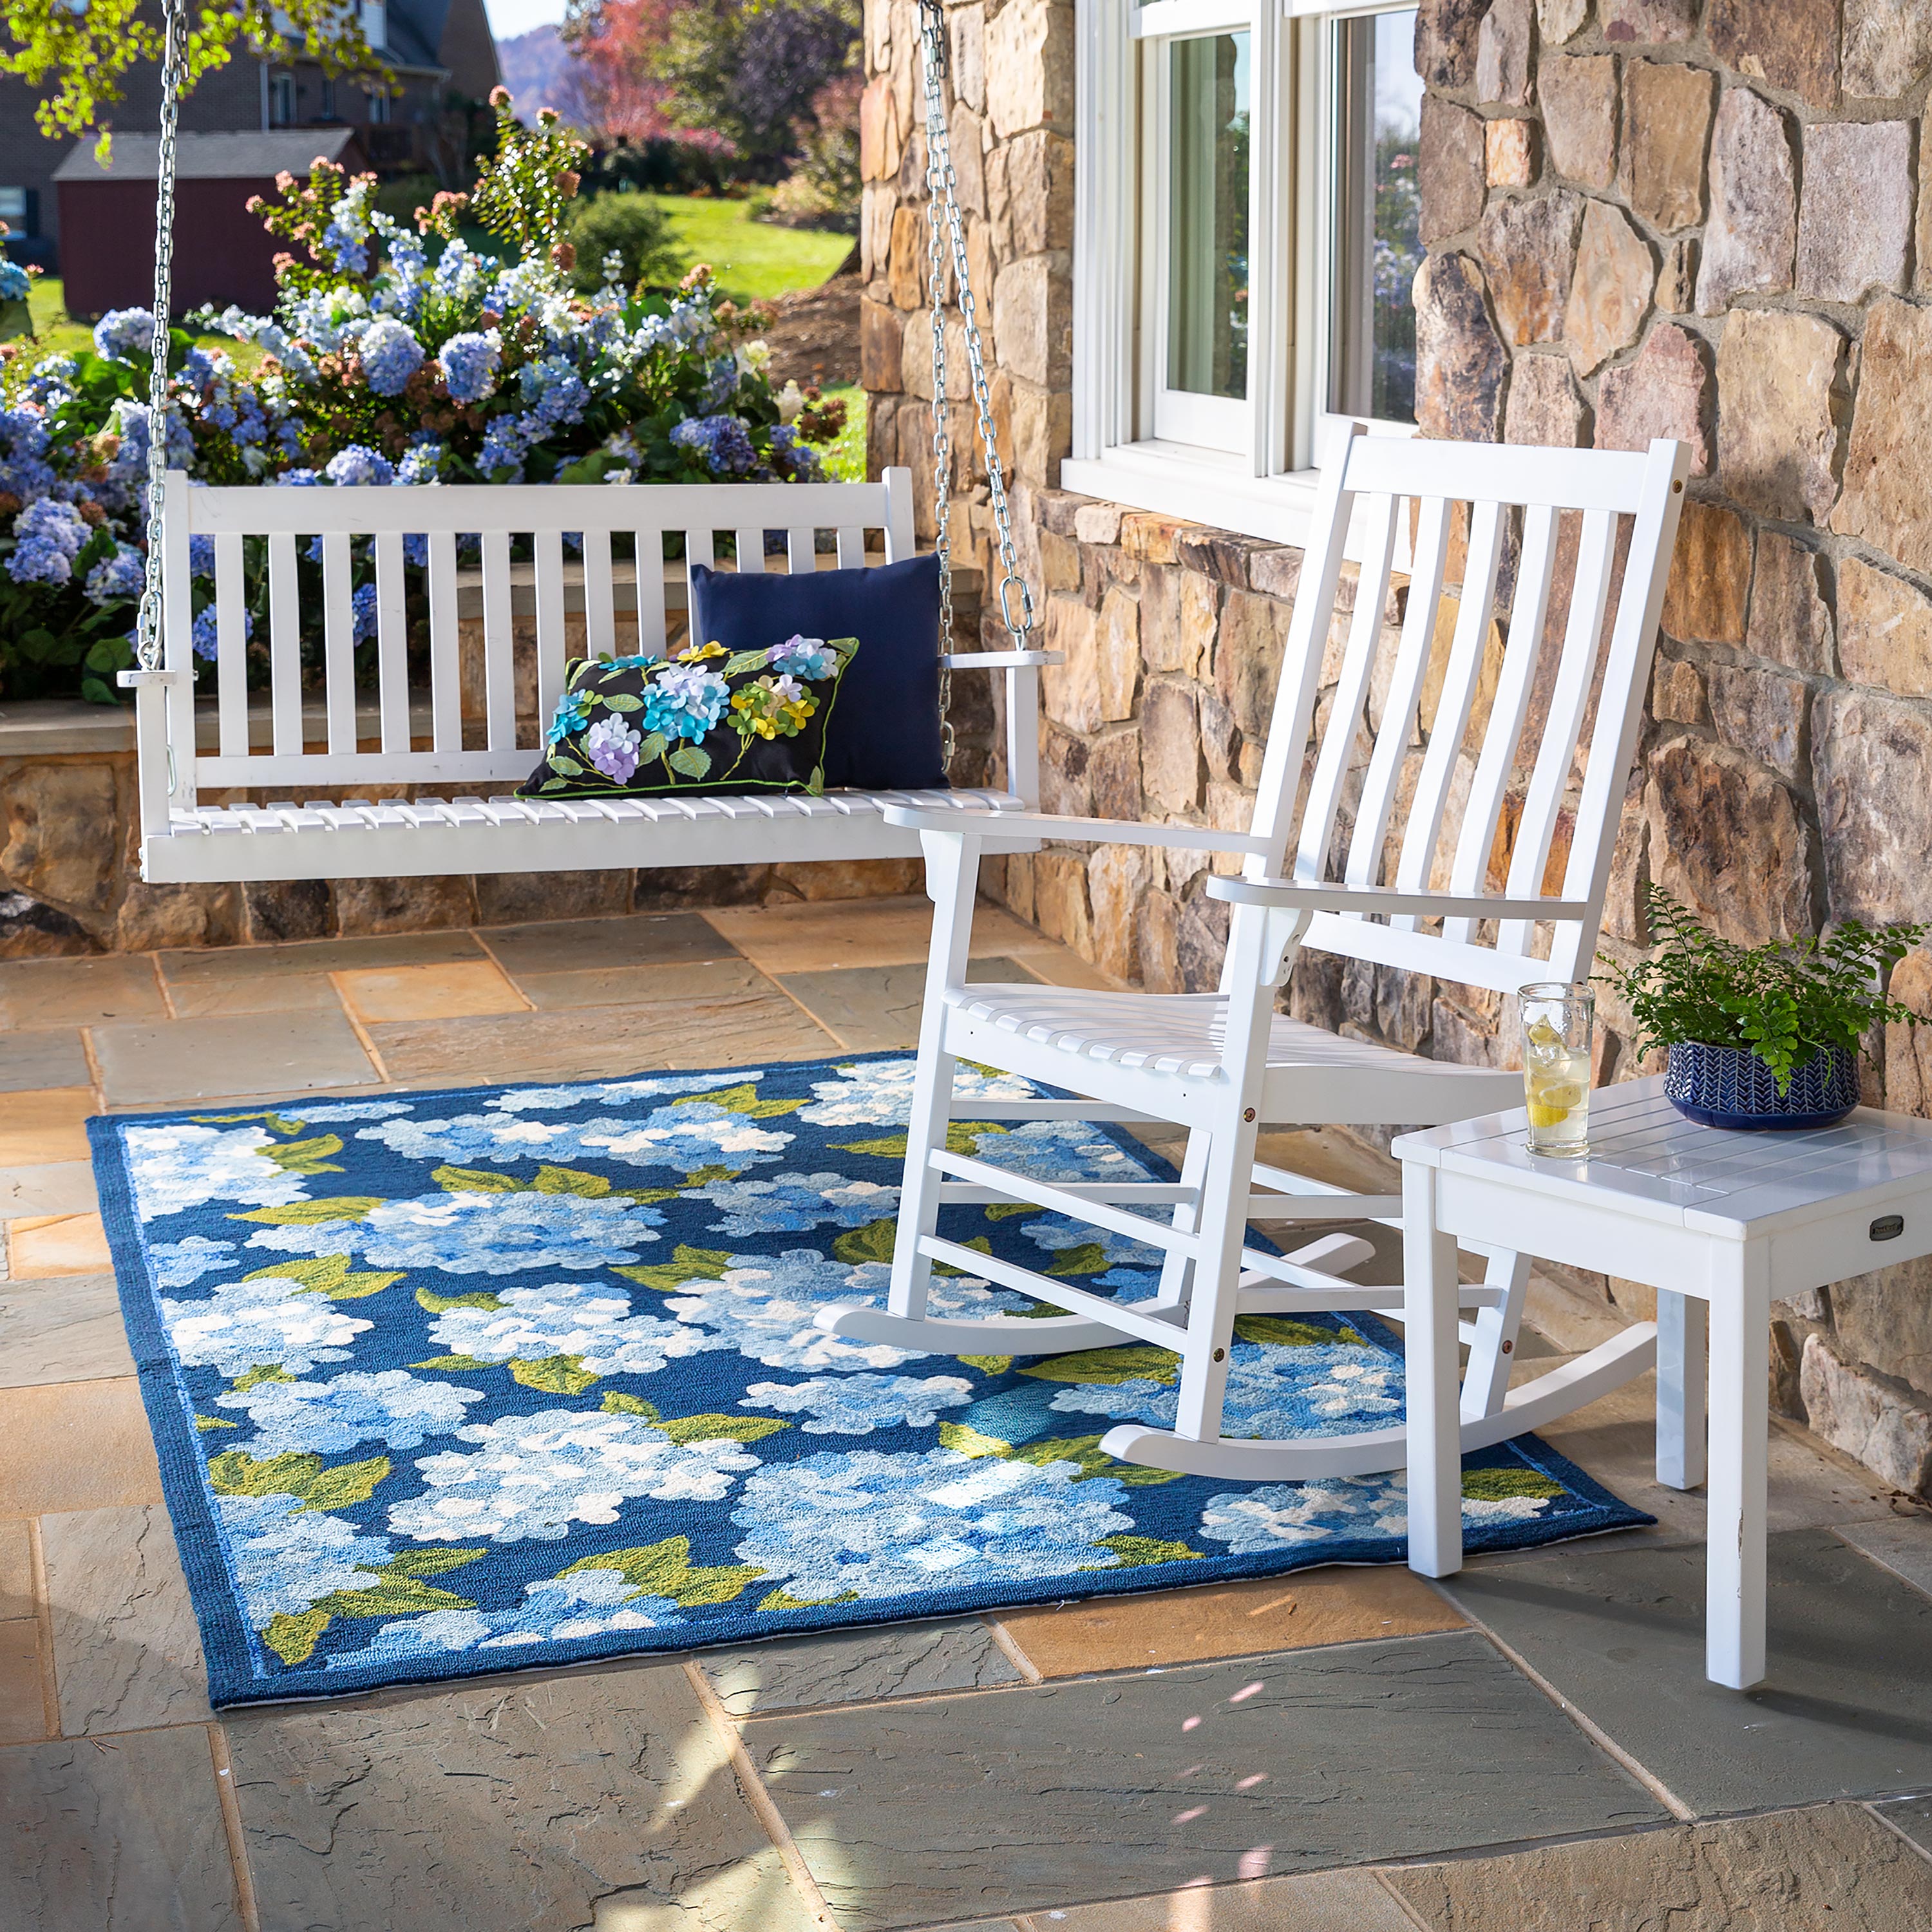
{"x": 1440, "y": 761}
{"x": 492, "y": 742}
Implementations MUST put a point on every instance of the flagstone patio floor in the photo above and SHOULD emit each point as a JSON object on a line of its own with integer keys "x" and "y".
{"x": 1530, "y": 1748}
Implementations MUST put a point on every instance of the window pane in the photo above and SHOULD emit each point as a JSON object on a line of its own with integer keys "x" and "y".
{"x": 1380, "y": 121}
{"x": 1207, "y": 216}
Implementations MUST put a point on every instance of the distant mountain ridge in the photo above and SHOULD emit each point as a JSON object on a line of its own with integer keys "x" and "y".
{"x": 540, "y": 71}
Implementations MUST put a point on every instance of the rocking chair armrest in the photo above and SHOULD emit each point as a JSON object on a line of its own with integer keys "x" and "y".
{"x": 132, "y": 680}
{"x": 1074, "y": 831}
{"x": 1309, "y": 896}
{"x": 1000, "y": 660}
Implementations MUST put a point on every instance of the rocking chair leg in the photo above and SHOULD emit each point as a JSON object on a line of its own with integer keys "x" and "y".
{"x": 1493, "y": 1352}
{"x": 951, "y": 880}
{"x": 1177, "y": 1272}
{"x": 1216, "y": 1296}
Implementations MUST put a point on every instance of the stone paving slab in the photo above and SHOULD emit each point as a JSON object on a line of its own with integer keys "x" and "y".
{"x": 43, "y": 1126}
{"x": 1903, "y": 1544}
{"x": 642, "y": 939}
{"x": 1832, "y": 1869}
{"x": 79, "y": 992}
{"x": 1846, "y": 1710}
{"x": 310, "y": 959}
{"x": 887, "y": 1661}
{"x": 127, "y": 1652}
{"x": 641, "y": 985}
{"x": 513, "y": 1805}
{"x": 66, "y": 1328}
{"x": 876, "y": 1009}
{"x": 1094, "y": 1788}
{"x": 1912, "y": 1816}
{"x": 613, "y": 1041}
{"x": 46, "y": 1057}
{"x": 184, "y": 1060}
{"x": 23, "y": 1707}
{"x": 76, "y": 1446}
{"x": 1259, "y": 1614}
{"x": 128, "y": 1837}
{"x": 1334, "y": 1901}
{"x": 55, "y": 1187}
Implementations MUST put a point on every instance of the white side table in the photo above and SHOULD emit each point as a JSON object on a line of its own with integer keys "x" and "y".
{"x": 1730, "y": 1221}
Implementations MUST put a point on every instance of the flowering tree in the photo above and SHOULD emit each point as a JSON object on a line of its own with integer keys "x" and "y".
{"x": 397, "y": 354}
{"x": 76, "y": 56}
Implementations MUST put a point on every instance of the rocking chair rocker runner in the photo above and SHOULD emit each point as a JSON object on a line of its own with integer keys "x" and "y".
{"x": 392, "y": 830}
{"x": 1503, "y": 740}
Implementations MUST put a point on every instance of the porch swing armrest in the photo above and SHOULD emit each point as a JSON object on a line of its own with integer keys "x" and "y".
{"x": 1309, "y": 896}
{"x": 1000, "y": 660}
{"x": 1074, "y": 831}
{"x": 132, "y": 680}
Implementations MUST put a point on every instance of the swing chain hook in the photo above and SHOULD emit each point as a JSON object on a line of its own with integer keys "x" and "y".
{"x": 174, "y": 31}
{"x": 945, "y": 234}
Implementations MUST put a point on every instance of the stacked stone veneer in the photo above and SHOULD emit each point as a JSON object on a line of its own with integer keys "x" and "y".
{"x": 1699, "y": 218}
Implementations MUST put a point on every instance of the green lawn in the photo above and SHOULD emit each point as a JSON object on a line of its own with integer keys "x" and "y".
{"x": 754, "y": 261}
{"x": 845, "y": 459}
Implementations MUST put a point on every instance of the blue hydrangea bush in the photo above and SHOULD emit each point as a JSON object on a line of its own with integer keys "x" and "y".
{"x": 397, "y": 354}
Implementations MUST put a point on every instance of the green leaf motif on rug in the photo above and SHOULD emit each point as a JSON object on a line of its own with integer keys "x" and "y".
{"x": 276, "y": 1124}
{"x": 205, "y": 1422}
{"x": 1494, "y": 1485}
{"x": 616, "y": 1402}
{"x": 309, "y": 1156}
{"x": 1004, "y": 1210}
{"x": 1134, "y": 1552}
{"x": 263, "y": 1372}
{"x": 1092, "y": 1459}
{"x": 475, "y": 1180}
{"x": 742, "y": 1100}
{"x": 783, "y": 1599}
{"x": 462, "y": 1365}
{"x": 1087, "y": 1258}
{"x": 718, "y": 1428}
{"x": 298, "y": 1474}
{"x": 293, "y": 1638}
{"x": 665, "y": 1570}
{"x": 313, "y": 1214}
{"x": 327, "y": 1274}
{"x": 962, "y": 1137}
{"x": 967, "y": 1441}
{"x": 554, "y": 1374}
{"x": 1136, "y": 1362}
{"x": 433, "y": 1304}
{"x": 990, "y": 1365}
{"x": 685, "y": 1266}
{"x": 1279, "y": 1332}
{"x": 871, "y": 1242}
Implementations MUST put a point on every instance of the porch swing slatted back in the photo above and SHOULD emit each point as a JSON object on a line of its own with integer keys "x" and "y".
{"x": 309, "y": 749}
{"x": 1444, "y": 764}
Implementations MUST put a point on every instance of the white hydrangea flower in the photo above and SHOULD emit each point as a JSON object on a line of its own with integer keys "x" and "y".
{"x": 392, "y": 1406}
{"x": 586, "y": 1319}
{"x": 857, "y": 1405}
{"x": 534, "y": 1476}
{"x": 244, "y": 1325}
{"x": 176, "y": 1165}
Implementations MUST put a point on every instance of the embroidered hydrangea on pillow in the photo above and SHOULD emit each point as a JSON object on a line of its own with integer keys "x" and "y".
{"x": 706, "y": 720}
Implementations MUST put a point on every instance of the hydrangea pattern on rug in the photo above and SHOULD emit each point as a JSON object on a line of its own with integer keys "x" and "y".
{"x": 443, "y": 1383}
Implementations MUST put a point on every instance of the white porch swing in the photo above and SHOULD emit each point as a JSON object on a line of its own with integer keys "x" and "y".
{"x": 392, "y": 827}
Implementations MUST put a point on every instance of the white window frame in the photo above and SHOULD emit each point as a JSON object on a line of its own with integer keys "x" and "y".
{"x": 1263, "y": 485}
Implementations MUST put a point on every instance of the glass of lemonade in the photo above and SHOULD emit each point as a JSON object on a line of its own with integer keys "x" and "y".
{"x": 1557, "y": 1017}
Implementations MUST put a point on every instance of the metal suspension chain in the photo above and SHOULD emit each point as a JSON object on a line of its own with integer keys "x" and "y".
{"x": 174, "y": 36}
{"x": 944, "y": 225}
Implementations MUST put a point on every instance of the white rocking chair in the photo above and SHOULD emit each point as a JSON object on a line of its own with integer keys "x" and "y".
{"x": 1226, "y": 1065}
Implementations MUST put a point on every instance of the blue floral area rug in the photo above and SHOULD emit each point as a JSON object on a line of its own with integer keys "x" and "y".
{"x": 445, "y": 1384}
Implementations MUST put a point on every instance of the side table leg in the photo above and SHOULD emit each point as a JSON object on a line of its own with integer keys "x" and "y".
{"x": 1740, "y": 1427}
{"x": 1435, "y": 1433}
{"x": 1681, "y": 1372}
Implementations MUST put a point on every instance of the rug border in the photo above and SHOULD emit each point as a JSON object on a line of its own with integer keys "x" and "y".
{"x": 210, "y": 1575}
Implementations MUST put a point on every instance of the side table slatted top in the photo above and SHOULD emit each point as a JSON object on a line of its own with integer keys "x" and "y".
{"x": 1662, "y": 1167}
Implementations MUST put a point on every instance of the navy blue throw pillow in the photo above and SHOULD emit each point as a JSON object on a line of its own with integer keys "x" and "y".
{"x": 886, "y": 738}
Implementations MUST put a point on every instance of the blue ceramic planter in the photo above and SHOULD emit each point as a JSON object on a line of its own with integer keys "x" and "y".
{"x": 1730, "y": 1087}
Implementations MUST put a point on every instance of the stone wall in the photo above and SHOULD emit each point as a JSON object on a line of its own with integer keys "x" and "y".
{"x": 1009, "y": 90}
{"x": 1699, "y": 218}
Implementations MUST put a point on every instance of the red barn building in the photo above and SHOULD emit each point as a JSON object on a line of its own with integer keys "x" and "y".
{"x": 223, "y": 254}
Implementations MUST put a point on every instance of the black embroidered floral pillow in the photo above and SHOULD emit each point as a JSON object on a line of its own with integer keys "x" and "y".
{"x": 706, "y": 720}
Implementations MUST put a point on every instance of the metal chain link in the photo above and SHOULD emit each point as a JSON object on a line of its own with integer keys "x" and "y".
{"x": 944, "y": 225}
{"x": 174, "y": 37}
